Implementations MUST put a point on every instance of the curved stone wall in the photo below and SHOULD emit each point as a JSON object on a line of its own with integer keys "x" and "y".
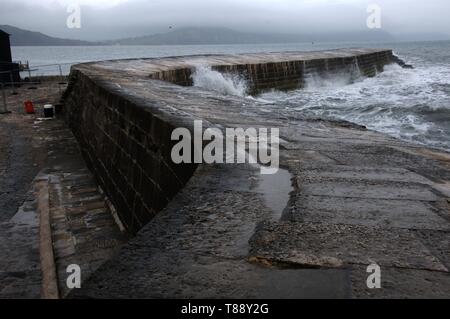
{"x": 285, "y": 75}
{"x": 123, "y": 117}
{"x": 127, "y": 146}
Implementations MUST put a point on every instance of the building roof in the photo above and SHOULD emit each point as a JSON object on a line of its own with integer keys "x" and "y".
{"x": 3, "y": 32}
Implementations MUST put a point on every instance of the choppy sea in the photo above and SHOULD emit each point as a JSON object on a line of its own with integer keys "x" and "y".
{"x": 411, "y": 104}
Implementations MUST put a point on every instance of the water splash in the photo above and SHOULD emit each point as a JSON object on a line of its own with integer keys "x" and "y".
{"x": 227, "y": 84}
{"x": 413, "y": 105}
{"x": 327, "y": 80}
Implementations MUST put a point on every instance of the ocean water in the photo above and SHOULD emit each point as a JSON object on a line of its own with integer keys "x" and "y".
{"x": 412, "y": 105}
{"x": 45, "y": 60}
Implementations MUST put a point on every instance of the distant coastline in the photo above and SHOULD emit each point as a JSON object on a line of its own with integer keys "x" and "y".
{"x": 198, "y": 36}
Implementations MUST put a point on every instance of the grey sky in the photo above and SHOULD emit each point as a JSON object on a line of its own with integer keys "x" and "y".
{"x": 109, "y": 19}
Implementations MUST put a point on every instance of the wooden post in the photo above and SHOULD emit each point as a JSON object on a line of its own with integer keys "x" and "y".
{"x": 3, "y": 109}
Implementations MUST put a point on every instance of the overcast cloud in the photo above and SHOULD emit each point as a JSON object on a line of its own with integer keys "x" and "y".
{"x": 110, "y": 19}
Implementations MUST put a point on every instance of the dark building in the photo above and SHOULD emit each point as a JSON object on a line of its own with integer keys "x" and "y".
{"x": 5, "y": 47}
{"x": 8, "y": 70}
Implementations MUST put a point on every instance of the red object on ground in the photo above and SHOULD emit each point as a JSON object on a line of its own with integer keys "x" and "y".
{"x": 29, "y": 108}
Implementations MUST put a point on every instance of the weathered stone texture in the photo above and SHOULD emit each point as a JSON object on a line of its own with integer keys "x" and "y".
{"x": 287, "y": 73}
{"x": 126, "y": 139}
{"x": 359, "y": 197}
{"x": 127, "y": 147}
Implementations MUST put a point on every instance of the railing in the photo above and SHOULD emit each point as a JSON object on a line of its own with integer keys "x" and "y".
{"x": 23, "y": 65}
{"x": 29, "y": 71}
{"x": 34, "y": 77}
{"x": 61, "y": 69}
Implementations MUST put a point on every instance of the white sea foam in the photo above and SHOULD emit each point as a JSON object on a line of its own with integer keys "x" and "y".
{"x": 227, "y": 84}
{"x": 410, "y": 104}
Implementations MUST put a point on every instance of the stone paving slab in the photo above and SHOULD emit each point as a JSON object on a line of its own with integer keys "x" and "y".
{"x": 201, "y": 277}
{"x": 341, "y": 245}
{"x": 363, "y": 173}
{"x": 359, "y": 211}
{"x": 369, "y": 190}
{"x": 437, "y": 242}
{"x": 398, "y": 283}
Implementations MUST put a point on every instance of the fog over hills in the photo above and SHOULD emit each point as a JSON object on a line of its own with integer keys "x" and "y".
{"x": 20, "y": 37}
{"x": 227, "y": 36}
{"x": 102, "y": 20}
{"x": 197, "y": 35}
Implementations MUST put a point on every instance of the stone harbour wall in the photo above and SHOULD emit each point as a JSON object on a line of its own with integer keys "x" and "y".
{"x": 126, "y": 139}
{"x": 127, "y": 147}
{"x": 287, "y": 75}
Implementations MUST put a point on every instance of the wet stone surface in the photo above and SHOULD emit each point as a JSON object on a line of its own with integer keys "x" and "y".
{"x": 198, "y": 248}
{"x": 359, "y": 197}
{"x": 20, "y": 272}
{"x": 83, "y": 229}
{"x": 84, "y": 232}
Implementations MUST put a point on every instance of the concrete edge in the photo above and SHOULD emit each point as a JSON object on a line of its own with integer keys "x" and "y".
{"x": 49, "y": 288}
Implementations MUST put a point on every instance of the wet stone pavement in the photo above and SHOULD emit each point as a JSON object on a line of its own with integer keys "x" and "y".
{"x": 83, "y": 230}
{"x": 358, "y": 198}
{"x": 355, "y": 198}
{"x": 198, "y": 248}
{"x": 22, "y": 155}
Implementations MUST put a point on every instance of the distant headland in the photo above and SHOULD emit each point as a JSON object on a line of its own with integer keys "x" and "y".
{"x": 198, "y": 36}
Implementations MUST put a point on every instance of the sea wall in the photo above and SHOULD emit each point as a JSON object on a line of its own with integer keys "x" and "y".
{"x": 123, "y": 119}
{"x": 286, "y": 75}
{"x": 127, "y": 146}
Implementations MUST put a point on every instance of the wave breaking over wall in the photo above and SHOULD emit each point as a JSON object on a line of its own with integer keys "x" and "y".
{"x": 123, "y": 118}
{"x": 228, "y": 84}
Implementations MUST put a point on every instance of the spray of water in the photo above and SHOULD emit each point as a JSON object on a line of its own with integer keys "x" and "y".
{"x": 227, "y": 84}
{"x": 316, "y": 81}
{"x": 413, "y": 105}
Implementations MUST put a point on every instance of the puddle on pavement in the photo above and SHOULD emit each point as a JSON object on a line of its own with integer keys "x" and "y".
{"x": 276, "y": 189}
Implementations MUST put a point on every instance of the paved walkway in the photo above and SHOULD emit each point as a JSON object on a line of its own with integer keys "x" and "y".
{"x": 22, "y": 155}
{"x": 83, "y": 230}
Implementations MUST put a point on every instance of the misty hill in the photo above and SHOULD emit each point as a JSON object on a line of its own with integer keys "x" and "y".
{"x": 192, "y": 36}
{"x": 20, "y": 37}
{"x": 226, "y": 36}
